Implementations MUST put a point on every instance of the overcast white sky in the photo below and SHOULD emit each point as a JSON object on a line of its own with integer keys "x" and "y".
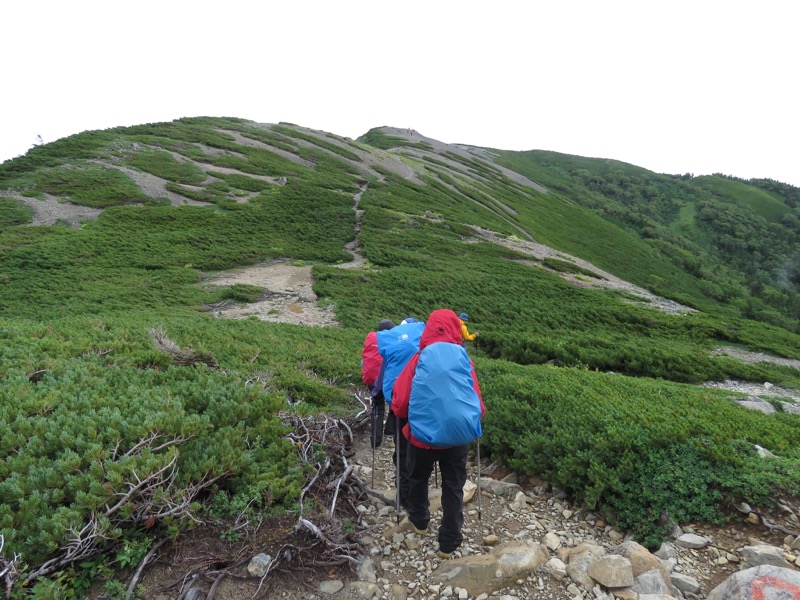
{"x": 697, "y": 86}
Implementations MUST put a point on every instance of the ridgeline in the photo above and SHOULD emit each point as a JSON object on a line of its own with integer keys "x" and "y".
{"x": 606, "y": 296}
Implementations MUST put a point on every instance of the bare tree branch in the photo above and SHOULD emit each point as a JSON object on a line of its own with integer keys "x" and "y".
{"x": 8, "y": 569}
{"x": 148, "y": 557}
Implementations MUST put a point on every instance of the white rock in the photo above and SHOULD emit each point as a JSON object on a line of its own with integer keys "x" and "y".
{"x": 692, "y": 540}
{"x": 552, "y": 541}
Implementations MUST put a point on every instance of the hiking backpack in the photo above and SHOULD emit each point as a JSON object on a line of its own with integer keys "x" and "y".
{"x": 444, "y": 409}
{"x": 370, "y": 360}
{"x": 397, "y": 345}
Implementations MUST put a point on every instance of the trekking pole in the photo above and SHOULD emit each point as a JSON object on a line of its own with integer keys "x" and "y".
{"x": 479, "y": 479}
{"x": 397, "y": 468}
{"x": 436, "y": 474}
{"x": 373, "y": 439}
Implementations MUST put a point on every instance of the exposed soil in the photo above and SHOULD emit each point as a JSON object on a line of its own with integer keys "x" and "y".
{"x": 51, "y": 210}
{"x": 289, "y": 297}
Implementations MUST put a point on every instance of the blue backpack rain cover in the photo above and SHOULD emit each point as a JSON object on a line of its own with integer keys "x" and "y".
{"x": 397, "y": 345}
{"x": 444, "y": 409}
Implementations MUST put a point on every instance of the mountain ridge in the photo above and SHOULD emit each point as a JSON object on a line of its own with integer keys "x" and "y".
{"x": 115, "y": 368}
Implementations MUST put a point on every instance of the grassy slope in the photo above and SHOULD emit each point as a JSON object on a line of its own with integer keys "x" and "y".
{"x": 737, "y": 241}
{"x": 762, "y": 203}
{"x": 77, "y": 307}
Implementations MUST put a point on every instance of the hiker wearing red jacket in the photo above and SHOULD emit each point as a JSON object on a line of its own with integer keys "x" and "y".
{"x": 438, "y": 393}
{"x": 371, "y": 362}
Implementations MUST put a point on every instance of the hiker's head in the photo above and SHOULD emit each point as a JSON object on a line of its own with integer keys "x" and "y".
{"x": 464, "y": 317}
{"x": 385, "y": 324}
{"x": 441, "y": 326}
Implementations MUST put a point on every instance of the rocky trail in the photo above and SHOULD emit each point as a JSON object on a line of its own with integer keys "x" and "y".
{"x": 524, "y": 540}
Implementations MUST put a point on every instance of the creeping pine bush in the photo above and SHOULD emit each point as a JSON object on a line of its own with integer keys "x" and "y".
{"x": 14, "y": 212}
{"x": 648, "y": 452}
{"x": 76, "y": 441}
{"x": 163, "y": 164}
{"x": 92, "y": 186}
{"x": 682, "y": 483}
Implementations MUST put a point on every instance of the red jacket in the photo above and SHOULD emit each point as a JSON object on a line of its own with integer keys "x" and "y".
{"x": 370, "y": 359}
{"x": 442, "y": 327}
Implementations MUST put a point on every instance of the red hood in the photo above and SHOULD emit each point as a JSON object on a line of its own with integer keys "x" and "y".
{"x": 442, "y": 326}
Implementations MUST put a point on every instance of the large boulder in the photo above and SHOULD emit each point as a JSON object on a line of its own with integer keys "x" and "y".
{"x": 766, "y": 582}
{"x": 764, "y": 554}
{"x": 580, "y": 558}
{"x": 612, "y": 571}
{"x": 485, "y": 573}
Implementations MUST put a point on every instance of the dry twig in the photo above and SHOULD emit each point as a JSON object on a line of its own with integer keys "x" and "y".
{"x": 8, "y": 569}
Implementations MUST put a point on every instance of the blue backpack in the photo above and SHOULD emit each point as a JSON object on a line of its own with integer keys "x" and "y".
{"x": 397, "y": 345}
{"x": 444, "y": 409}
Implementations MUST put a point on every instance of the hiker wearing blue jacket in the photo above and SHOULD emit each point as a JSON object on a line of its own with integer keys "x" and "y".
{"x": 438, "y": 396}
{"x": 396, "y": 346}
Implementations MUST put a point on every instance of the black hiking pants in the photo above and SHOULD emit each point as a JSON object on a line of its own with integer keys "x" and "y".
{"x": 453, "y": 465}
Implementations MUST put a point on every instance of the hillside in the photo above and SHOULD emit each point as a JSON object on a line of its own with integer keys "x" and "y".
{"x": 175, "y": 296}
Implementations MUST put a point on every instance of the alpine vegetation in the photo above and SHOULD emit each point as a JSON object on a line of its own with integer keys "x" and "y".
{"x": 608, "y": 300}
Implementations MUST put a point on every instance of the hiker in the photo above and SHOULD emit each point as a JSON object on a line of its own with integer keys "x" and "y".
{"x": 370, "y": 367}
{"x": 396, "y": 346}
{"x": 465, "y": 334}
{"x": 439, "y": 396}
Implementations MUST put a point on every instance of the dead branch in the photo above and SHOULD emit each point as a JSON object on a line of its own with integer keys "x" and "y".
{"x": 153, "y": 496}
{"x": 8, "y": 569}
{"x": 148, "y": 557}
{"x": 775, "y": 527}
{"x": 155, "y": 479}
{"x": 338, "y": 484}
{"x": 366, "y": 402}
{"x": 368, "y": 490}
{"x": 323, "y": 443}
{"x": 331, "y": 489}
{"x": 317, "y": 532}
{"x": 182, "y": 356}
{"x": 82, "y": 545}
{"x": 213, "y": 590}
{"x": 746, "y": 509}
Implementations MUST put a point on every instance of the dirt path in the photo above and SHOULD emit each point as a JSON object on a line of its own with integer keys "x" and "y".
{"x": 354, "y": 247}
{"x": 289, "y": 296}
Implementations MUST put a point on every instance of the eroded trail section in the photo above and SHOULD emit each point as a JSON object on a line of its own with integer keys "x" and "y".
{"x": 288, "y": 296}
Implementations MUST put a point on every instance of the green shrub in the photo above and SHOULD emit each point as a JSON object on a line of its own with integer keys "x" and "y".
{"x": 92, "y": 186}
{"x": 163, "y": 164}
{"x": 242, "y": 292}
{"x": 14, "y": 212}
{"x": 637, "y": 448}
{"x": 82, "y": 382}
{"x": 68, "y": 446}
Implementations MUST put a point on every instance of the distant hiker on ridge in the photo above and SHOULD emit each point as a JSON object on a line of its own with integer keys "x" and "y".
{"x": 438, "y": 393}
